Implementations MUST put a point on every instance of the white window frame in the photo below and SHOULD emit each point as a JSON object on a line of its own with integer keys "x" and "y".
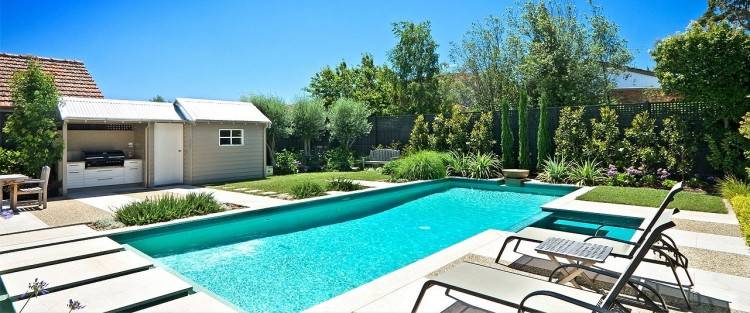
{"x": 230, "y": 137}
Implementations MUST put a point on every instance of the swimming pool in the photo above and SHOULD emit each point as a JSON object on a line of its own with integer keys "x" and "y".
{"x": 289, "y": 258}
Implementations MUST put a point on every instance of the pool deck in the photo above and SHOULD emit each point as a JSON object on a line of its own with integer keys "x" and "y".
{"x": 72, "y": 256}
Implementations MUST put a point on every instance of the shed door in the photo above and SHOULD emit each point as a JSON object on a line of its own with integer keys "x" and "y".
{"x": 167, "y": 154}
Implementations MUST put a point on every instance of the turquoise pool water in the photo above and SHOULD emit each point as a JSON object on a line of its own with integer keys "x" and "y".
{"x": 618, "y": 227}
{"x": 291, "y": 258}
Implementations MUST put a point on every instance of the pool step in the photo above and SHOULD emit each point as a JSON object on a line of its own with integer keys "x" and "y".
{"x": 41, "y": 237}
{"x": 48, "y": 255}
{"x": 116, "y": 294}
{"x": 195, "y": 303}
{"x": 75, "y": 273}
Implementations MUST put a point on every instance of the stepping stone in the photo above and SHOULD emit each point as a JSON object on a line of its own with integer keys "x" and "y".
{"x": 63, "y": 275}
{"x": 40, "y": 237}
{"x": 268, "y": 193}
{"x": 195, "y": 303}
{"x": 284, "y": 196}
{"x": 253, "y": 191}
{"x": 241, "y": 189}
{"x": 116, "y": 294}
{"x": 48, "y": 255}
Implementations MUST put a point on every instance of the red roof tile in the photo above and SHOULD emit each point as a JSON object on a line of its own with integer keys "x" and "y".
{"x": 71, "y": 77}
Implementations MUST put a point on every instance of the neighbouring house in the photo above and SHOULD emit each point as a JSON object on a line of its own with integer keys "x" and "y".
{"x": 636, "y": 85}
{"x": 190, "y": 141}
{"x": 71, "y": 79}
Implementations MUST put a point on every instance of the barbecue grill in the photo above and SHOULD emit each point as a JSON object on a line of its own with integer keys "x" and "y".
{"x": 104, "y": 158}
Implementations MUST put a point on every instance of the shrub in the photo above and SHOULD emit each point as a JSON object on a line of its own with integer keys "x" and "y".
{"x": 421, "y": 165}
{"x": 307, "y": 189}
{"x": 9, "y": 161}
{"x": 640, "y": 142}
{"x": 348, "y": 120}
{"x": 390, "y": 167}
{"x": 457, "y": 125}
{"x": 586, "y": 173}
{"x": 543, "y": 148}
{"x": 483, "y": 165}
{"x": 339, "y": 159}
{"x": 678, "y": 148}
{"x": 286, "y": 162}
{"x": 571, "y": 133}
{"x": 605, "y": 137}
{"x": 107, "y": 223}
{"x": 727, "y": 153}
{"x": 419, "y": 139}
{"x": 458, "y": 164}
{"x": 741, "y": 206}
{"x": 523, "y": 129}
{"x": 439, "y": 135}
{"x": 480, "y": 140}
{"x": 343, "y": 184}
{"x": 167, "y": 208}
{"x": 731, "y": 187}
{"x": 506, "y": 136}
{"x": 555, "y": 170}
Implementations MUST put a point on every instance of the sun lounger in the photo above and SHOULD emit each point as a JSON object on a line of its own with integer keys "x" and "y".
{"x": 665, "y": 248}
{"x": 530, "y": 294}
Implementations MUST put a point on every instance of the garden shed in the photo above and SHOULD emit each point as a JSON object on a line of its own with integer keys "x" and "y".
{"x": 189, "y": 141}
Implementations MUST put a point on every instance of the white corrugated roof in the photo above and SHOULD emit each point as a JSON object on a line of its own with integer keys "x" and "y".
{"x": 198, "y": 110}
{"x": 93, "y": 109}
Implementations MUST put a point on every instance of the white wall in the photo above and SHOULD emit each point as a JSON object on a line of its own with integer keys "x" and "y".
{"x": 635, "y": 80}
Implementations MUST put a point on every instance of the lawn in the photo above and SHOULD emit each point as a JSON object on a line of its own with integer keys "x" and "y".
{"x": 690, "y": 201}
{"x": 284, "y": 183}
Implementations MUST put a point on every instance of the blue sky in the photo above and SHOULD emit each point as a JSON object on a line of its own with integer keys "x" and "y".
{"x": 223, "y": 49}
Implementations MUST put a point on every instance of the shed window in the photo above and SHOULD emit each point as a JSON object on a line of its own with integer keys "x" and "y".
{"x": 231, "y": 137}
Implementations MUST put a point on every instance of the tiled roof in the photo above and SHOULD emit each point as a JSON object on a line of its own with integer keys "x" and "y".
{"x": 71, "y": 77}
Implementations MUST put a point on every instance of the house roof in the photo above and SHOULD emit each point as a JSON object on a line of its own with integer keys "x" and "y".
{"x": 71, "y": 77}
{"x": 640, "y": 71}
{"x": 111, "y": 110}
{"x": 198, "y": 110}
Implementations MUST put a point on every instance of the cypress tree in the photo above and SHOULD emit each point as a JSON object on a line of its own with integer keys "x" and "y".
{"x": 506, "y": 136}
{"x": 543, "y": 148}
{"x": 523, "y": 136}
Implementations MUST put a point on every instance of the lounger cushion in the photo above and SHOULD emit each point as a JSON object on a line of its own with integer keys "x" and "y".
{"x": 542, "y": 234}
{"x": 513, "y": 288}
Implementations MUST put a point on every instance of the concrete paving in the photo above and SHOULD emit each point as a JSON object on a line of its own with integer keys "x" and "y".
{"x": 18, "y": 222}
{"x": 47, "y": 255}
{"x": 195, "y": 303}
{"x": 116, "y": 294}
{"x": 14, "y": 241}
{"x": 64, "y": 275}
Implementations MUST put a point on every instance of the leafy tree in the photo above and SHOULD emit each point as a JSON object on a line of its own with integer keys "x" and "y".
{"x": 605, "y": 138}
{"x": 678, "y": 146}
{"x": 457, "y": 125}
{"x": 571, "y": 133}
{"x": 480, "y": 139}
{"x": 452, "y": 89}
{"x": 415, "y": 62}
{"x": 439, "y": 135}
{"x": 309, "y": 120}
{"x": 710, "y": 64}
{"x": 31, "y": 129}
{"x": 419, "y": 138}
{"x": 278, "y": 112}
{"x": 523, "y": 129}
{"x": 348, "y": 120}
{"x": 543, "y": 145}
{"x": 326, "y": 85}
{"x": 158, "y": 98}
{"x": 641, "y": 144}
{"x": 506, "y": 136}
{"x": 733, "y": 11}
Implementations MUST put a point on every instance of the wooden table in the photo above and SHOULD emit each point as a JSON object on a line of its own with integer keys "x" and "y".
{"x": 13, "y": 180}
{"x": 584, "y": 253}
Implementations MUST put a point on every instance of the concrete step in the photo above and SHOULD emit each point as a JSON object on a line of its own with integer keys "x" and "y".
{"x": 195, "y": 303}
{"x": 40, "y": 237}
{"x": 75, "y": 273}
{"x": 121, "y": 293}
{"x": 48, "y": 255}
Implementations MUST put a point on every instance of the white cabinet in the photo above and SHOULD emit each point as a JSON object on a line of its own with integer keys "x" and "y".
{"x": 78, "y": 176}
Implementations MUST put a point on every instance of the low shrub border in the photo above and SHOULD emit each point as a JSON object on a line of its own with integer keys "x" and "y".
{"x": 167, "y": 208}
{"x": 741, "y": 206}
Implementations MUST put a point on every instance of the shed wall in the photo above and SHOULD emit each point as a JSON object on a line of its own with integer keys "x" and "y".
{"x": 205, "y": 161}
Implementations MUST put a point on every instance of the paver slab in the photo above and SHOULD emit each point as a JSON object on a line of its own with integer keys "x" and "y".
{"x": 37, "y": 257}
{"x": 119, "y": 293}
{"x": 42, "y": 236}
{"x": 195, "y": 303}
{"x": 63, "y": 275}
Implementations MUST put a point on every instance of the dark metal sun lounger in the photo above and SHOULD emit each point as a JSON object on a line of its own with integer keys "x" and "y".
{"x": 528, "y": 294}
{"x": 665, "y": 247}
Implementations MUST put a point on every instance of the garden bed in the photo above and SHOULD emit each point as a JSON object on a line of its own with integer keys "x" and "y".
{"x": 285, "y": 183}
{"x": 689, "y": 201}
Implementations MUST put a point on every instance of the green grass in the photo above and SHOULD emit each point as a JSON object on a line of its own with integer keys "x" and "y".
{"x": 690, "y": 201}
{"x": 284, "y": 183}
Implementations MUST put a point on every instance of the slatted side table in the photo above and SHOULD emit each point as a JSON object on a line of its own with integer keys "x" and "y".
{"x": 584, "y": 253}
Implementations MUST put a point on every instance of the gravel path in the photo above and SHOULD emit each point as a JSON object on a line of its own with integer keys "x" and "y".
{"x": 66, "y": 211}
{"x": 708, "y": 227}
